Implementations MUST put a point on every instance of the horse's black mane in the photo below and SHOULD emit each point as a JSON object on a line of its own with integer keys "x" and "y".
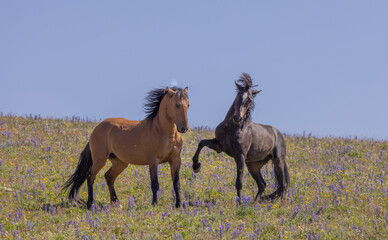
{"x": 243, "y": 84}
{"x": 154, "y": 98}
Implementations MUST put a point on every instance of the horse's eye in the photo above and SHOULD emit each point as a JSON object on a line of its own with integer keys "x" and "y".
{"x": 177, "y": 105}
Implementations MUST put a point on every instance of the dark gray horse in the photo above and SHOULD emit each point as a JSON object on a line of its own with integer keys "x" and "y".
{"x": 248, "y": 142}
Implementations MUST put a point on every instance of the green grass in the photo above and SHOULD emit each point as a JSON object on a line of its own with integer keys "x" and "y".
{"x": 338, "y": 190}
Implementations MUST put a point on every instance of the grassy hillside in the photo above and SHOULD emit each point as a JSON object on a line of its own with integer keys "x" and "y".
{"x": 338, "y": 190}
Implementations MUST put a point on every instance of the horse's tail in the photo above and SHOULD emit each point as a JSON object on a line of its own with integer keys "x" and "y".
{"x": 81, "y": 173}
{"x": 280, "y": 165}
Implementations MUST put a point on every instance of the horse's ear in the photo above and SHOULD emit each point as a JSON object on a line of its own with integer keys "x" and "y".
{"x": 186, "y": 89}
{"x": 238, "y": 85}
{"x": 254, "y": 92}
{"x": 170, "y": 92}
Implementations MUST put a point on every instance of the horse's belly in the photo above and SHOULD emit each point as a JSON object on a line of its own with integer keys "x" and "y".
{"x": 133, "y": 155}
{"x": 257, "y": 156}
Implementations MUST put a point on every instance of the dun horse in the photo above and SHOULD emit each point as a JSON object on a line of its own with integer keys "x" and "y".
{"x": 248, "y": 142}
{"x": 153, "y": 141}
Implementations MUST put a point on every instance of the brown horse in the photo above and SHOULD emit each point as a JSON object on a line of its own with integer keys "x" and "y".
{"x": 153, "y": 141}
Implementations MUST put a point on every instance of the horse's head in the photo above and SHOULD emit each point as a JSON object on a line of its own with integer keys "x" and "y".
{"x": 244, "y": 99}
{"x": 177, "y": 106}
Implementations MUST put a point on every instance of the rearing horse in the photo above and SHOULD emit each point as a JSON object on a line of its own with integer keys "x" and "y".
{"x": 248, "y": 143}
{"x": 153, "y": 141}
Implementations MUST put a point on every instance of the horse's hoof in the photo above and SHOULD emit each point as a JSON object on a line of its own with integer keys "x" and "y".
{"x": 196, "y": 167}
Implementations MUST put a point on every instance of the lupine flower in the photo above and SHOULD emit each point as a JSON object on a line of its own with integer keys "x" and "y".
{"x": 204, "y": 222}
{"x": 296, "y": 211}
{"x": 178, "y": 236}
{"x": 246, "y": 200}
{"x": 131, "y": 203}
{"x": 236, "y": 233}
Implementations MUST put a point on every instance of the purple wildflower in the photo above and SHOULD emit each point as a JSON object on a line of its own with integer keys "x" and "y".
{"x": 236, "y": 233}
{"x": 296, "y": 212}
{"x": 204, "y": 222}
{"x": 178, "y": 236}
{"x": 246, "y": 200}
{"x": 131, "y": 203}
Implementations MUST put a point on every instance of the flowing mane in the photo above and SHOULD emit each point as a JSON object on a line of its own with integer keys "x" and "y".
{"x": 154, "y": 98}
{"x": 243, "y": 84}
{"x": 246, "y": 81}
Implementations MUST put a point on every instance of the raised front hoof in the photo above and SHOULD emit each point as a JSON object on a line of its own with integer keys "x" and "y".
{"x": 196, "y": 167}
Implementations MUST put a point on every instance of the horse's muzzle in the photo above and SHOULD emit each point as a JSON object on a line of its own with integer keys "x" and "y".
{"x": 182, "y": 129}
{"x": 237, "y": 119}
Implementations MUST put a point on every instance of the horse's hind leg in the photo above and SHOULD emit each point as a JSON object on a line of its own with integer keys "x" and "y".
{"x": 210, "y": 143}
{"x": 281, "y": 174}
{"x": 99, "y": 162}
{"x": 254, "y": 169}
{"x": 111, "y": 175}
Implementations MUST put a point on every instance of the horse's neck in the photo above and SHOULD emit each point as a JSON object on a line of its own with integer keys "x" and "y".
{"x": 162, "y": 121}
{"x": 228, "y": 121}
{"x": 229, "y": 115}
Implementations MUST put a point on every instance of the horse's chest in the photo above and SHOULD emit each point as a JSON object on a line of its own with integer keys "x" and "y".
{"x": 166, "y": 150}
{"x": 232, "y": 144}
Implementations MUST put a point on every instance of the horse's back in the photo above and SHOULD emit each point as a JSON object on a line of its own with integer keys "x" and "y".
{"x": 264, "y": 141}
{"x": 269, "y": 135}
{"x": 105, "y": 127}
{"x": 121, "y": 123}
{"x": 100, "y": 137}
{"x": 263, "y": 134}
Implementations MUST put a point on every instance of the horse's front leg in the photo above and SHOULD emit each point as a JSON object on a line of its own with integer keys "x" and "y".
{"x": 175, "y": 166}
{"x": 240, "y": 171}
{"x": 154, "y": 181}
{"x": 210, "y": 143}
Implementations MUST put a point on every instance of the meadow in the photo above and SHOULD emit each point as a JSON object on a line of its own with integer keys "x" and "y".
{"x": 338, "y": 190}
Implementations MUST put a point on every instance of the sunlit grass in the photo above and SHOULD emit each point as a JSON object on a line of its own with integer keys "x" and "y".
{"x": 338, "y": 190}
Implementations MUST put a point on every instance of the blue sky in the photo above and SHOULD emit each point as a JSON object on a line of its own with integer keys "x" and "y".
{"x": 322, "y": 65}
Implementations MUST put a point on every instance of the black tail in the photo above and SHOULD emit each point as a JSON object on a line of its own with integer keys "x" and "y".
{"x": 286, "y": 175}
{"x": 280, "y": 167}
{"x": 81, "y": 173}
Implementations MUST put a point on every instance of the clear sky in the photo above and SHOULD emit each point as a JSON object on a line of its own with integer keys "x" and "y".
{"x": 322, "y": 65}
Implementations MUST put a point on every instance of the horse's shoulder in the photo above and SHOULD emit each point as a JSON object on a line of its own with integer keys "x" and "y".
{"x": 220, "y": 130}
